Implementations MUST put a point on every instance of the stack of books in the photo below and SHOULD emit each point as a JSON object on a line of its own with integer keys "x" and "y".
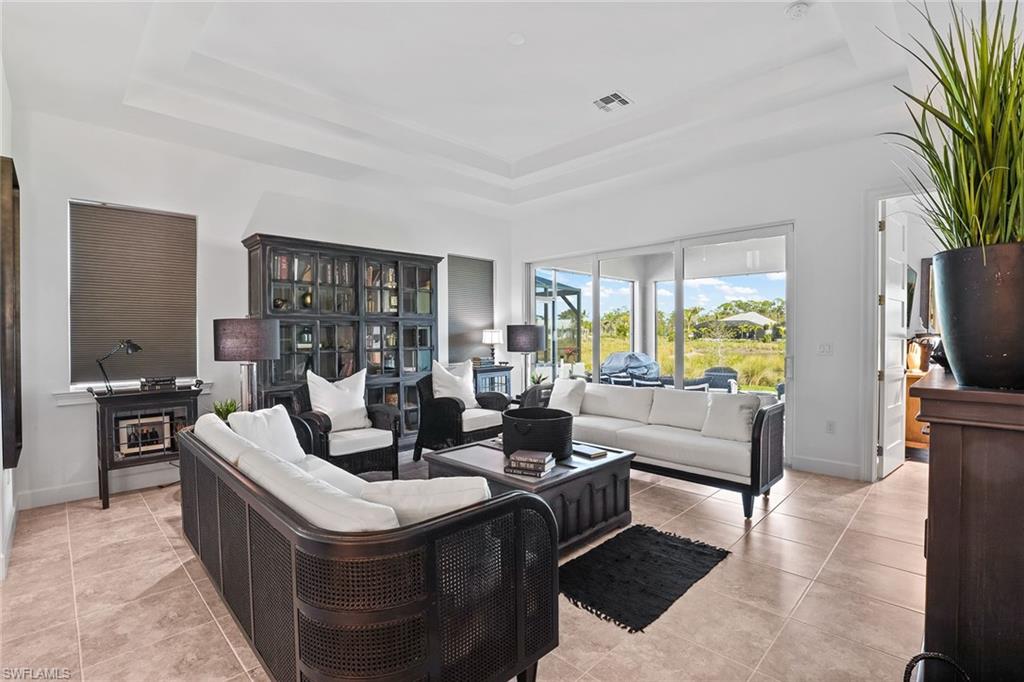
{"x": 529, "y": 463}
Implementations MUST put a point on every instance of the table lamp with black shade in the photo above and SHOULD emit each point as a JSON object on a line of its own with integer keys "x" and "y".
{"x": 126, "y": 345}
{"x": 247, "y": 340}
{"x": 525, "y": 339}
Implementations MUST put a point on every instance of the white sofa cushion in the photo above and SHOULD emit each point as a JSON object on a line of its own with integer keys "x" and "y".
{"x": 455, "y": 383}
{"x": 622, "y": 402}
{"x": 567, "y": 394}
{"x": 270, "y": 429}
{"x": 476, "y": 418}
{"x": 318, "y": 502}
{"x": 731, "y": 416}
{"x": 419, "y": 500}
{"x": 600, "y": 430}
{"x": 684, "y": 409}
{"x": 213, "y": 431}
{"x": 332, "y": 475}
{"x": 683, "y": 446}
{"x": 343, "y": 401}
{"x": 358, "y": 440}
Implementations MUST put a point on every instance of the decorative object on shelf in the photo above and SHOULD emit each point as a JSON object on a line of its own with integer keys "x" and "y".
{"x": 537, "y": 428}
{"x": 525, "y": 339}
{"x": 10, "y": 317}
{"x": 140, "y": 427}
{"x": 224, "y": 408}
{"x": 493, "y": 337}
{"x": 367, "y": 309}
{"x": 247, "y": 340}
{"x": 157, "y": 383}
{"x": 967, "y": 139}
{"x": 126, "y": 345}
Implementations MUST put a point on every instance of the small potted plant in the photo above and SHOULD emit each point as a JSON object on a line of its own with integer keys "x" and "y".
{"x": 225, "y": 407}
{"x": 968, "y": 137}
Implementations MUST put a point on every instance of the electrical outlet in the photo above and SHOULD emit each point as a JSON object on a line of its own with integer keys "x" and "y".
{"x": 830, "y": 427}
{"x": 825, "y": 348}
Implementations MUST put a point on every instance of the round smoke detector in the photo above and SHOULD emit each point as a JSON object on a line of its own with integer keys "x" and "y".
{"x": 797, "y": 11}
{"x": 516, "y": 39}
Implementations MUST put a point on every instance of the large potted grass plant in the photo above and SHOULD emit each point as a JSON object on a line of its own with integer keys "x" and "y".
{"x": 968, "y": 137}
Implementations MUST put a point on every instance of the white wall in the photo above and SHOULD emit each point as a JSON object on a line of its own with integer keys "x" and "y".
{"x": 824, "y": 194}
{"x": 7, "y": 501}
{"x": 60, "y": 159}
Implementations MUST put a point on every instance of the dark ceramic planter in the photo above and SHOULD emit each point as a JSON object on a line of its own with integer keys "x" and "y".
{"x": 980, "y": 299}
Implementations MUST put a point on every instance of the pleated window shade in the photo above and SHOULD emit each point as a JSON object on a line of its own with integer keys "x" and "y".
{"x": 470, "y": 307}
{"x": 133, "y": 276}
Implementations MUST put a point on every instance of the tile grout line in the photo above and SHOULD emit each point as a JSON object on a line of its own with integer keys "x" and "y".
{"x": 192, "y": 580}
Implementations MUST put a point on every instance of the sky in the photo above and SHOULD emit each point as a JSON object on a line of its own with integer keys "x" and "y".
{"x": 707, "y": 292}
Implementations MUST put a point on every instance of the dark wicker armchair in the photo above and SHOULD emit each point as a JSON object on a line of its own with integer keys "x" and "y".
{"x": 383, "y": 417}
{"x": 441, "y": 423}
{"x": 537, "y": 395}
{"x": 471, "y": 595}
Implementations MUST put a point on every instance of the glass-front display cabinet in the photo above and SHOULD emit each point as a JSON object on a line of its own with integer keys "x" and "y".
{"x": 343, "y": 309}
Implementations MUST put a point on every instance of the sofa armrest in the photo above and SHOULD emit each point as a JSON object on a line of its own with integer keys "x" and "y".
{"x": 386, "y": 417}
{"x": 767, "y": 446}
{"x": 318, "y": 422}
{"x": 492, "y": 400}
{"x": 304, "y": 433}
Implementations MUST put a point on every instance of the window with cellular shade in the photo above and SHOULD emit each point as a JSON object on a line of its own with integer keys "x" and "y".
{"x": 470, "y": 307}
{"x": 133, "y": 276}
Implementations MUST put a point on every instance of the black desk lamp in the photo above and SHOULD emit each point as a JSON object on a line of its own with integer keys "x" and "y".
{"x": 128, "y": 346}
{"x": 247, "y": 340}
{"x": 525, "y": 339}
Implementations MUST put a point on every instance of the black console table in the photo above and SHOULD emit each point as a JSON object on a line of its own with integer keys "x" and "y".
{"x": 493, "y": 378}
{"x": 140, "y": 427}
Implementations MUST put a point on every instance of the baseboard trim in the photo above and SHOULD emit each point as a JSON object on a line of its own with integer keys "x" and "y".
{"x": 826, "y": 467}
{"x": 120, "y": 481}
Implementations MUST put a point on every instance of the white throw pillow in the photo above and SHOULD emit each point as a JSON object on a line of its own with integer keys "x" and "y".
{"x": 343, "y": 401}
{"x": 270, "y": 429}
{"x": 567, "y": 394}
{"x": 731, "y": 416}
{"x": 213, "y": 431}
{"x": 415, "y": 501}
{"x": 682, "y": 409}
{"x": 319, "y": 503}
{"x": 455, "y": 383}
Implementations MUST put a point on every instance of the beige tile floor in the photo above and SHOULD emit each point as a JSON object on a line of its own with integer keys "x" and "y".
{"x": 825, "y": 582}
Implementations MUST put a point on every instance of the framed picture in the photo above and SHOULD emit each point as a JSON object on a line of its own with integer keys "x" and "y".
{"x": 139, "y": 435}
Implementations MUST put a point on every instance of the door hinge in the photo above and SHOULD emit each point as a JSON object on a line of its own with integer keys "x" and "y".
{"x": 881, "y": 375}
{"x": 881, "y": 225}
{"x": 878, "y": 450}
{"x": 881, "y": 299}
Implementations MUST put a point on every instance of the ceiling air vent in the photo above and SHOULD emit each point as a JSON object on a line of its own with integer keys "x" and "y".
{"x": 612, "y": 102}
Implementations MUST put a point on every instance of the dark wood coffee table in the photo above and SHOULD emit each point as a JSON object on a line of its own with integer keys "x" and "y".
{"x": 589, "y": 497}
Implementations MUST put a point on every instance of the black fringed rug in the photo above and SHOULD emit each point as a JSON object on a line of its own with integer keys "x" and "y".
{"x": 637, "y": 575}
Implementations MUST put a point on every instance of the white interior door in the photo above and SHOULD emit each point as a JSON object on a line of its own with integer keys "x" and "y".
{"x": 892, "y": 323}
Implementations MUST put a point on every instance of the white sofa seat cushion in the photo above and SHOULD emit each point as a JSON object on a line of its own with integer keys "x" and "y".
{"x": 476, "y": 418}
{"x": 319, "y": 503}
{"x": 731, "y": 416}
{"x": 567, "y": 394}
{"x": 323, "y": 470}
{"x": 622, "y": 402}
{"x": 213, "y": 431}
{"x": 600, "y": 430}
{"x": 456, "y": 382}
{"x": 415, "y": 501}
{"x": 683, "y": 446}
{"x": 270, "y": 429}
{"x": 343, "y": 401}
{"x": 358, "y": 440}
{"x": 683, "y": 409}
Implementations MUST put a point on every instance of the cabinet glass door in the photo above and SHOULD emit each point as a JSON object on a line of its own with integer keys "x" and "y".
{"x": 383, "y": 395}
{"x": 337, "y": 350}
{"x": 381, "y": 287}
{"x": 417, "y": 290}
{"x": 417, "y": 348}
{"x": 296, "y": 353}
{"x": 337, "y": 285}
{"x": 291, "y": 277}
{"x": 410, "y": 408}
{"x": 382, "y": 349}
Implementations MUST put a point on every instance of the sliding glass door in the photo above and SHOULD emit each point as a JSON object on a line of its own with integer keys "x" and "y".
{"x": 562, "y": 305}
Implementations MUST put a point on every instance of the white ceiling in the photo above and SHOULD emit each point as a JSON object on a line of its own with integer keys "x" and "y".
{"x": 434, "y": 101}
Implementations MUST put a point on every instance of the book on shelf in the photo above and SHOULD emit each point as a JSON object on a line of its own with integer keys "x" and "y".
{"x": 588, "y": 451}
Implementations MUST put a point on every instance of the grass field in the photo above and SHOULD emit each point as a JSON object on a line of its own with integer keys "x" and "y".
{"x": 761, "y": 365}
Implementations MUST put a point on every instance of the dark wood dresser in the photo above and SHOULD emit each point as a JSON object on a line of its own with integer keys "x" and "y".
{"x": 973, "y": 541}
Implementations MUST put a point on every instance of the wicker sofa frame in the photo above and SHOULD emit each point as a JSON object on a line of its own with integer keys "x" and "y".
{"x": 383, "y": 417}
{"x": 471, "y": 596}
{"x": 766, "y": 452}
{"x": 441, "y": 418}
